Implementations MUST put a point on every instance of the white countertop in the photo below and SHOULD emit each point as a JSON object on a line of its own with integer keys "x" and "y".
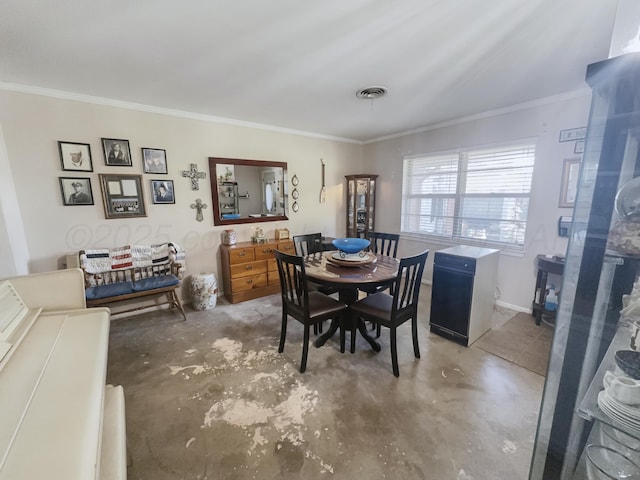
{"x": 468, "y": 251}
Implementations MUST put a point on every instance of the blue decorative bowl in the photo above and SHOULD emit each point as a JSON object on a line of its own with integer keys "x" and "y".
{"x": 230, "y": 216}
{"x": 351, "y": 245}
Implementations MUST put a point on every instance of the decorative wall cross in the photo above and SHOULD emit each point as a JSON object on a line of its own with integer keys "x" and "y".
{"x": 194, "y": 175}
{"x": 199, "y": 206}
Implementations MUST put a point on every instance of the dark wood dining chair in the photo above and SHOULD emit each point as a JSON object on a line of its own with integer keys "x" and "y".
{"x": 400, "y": 305}
{"x": 309, "y": 308}
{"x": 309, "y": 244}
{"x": 384, "y": 244}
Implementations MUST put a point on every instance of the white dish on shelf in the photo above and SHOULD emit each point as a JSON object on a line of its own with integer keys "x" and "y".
{"x": 612, "y": 413}
{"x": 622, "y": 388}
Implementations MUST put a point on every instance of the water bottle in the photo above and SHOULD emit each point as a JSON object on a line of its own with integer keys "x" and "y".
{"x": 551, "y": 302}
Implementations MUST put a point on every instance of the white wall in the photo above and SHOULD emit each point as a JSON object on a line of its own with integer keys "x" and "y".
{"x": 543, "y": 122}
{"x": 33, "y": 125}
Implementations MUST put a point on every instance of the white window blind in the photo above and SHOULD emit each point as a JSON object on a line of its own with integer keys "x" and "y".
{"x": 482, "y": 195}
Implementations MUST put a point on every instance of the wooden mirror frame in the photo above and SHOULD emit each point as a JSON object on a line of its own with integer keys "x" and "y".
{"x": 217, "y": 218}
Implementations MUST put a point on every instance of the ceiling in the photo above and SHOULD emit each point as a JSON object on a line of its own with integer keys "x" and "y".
{"x": 297, "y": 65}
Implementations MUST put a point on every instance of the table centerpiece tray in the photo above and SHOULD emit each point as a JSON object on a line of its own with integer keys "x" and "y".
{"x": 351, "y": 260}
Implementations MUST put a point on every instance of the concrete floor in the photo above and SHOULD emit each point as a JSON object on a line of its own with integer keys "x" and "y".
{"x": 211, "y": 398}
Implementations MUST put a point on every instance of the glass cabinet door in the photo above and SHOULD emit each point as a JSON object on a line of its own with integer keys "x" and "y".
{"x": 360, "y": 205}
{"x": 601, "y": 266}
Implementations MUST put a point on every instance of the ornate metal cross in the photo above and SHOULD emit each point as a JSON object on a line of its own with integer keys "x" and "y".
{"x": 194, "y": 175}
{"x": 199, "y": 206}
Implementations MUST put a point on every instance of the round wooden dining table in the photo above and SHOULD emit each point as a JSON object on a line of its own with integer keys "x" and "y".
{"x": 327, "y": 268}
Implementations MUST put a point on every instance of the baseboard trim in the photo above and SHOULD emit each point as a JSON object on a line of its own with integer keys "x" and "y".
{"x": 511, "y": 306}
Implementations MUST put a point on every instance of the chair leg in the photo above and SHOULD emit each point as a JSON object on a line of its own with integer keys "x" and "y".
{"x": 177, "y": 303}
{"x": 305, "y": 349}
{"x": 394, "y": 352}
{"x": 283, "y": 332}
{"x": 315, "y": 329}
{"x": 414, "y": 334}
{"x": 378, "y": 330}
{"x": 319, "y": 325}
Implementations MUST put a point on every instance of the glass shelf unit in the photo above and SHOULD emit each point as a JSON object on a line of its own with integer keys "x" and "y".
{"x": 361, "y": 193}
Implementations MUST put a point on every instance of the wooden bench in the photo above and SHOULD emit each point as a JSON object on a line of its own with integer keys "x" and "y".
{"x": 113, "y": 279}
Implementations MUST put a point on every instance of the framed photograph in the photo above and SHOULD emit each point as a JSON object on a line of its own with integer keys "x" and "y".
{"x": 75, "y": 157}
{"x": 155, "y": 160}
{"x": 579, "y": 147}
{"x": 569, "y": 185}
{"x": 122, "y": 196}
{"x": 573, "y": 134}
{"x": 76, "y": 191}
{"x": 162, "y": 191}
{"x": 116, "y": 152}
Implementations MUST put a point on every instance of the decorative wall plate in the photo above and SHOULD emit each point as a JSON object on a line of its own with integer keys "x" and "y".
{"x": 295, "y": 194}
{"x": 294, "y": 180}
{"x": 295, "y": 207}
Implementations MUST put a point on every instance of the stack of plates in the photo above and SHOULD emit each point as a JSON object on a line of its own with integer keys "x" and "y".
{"x": 624, "y": 414}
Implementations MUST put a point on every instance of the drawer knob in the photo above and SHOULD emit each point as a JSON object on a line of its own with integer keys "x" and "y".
{"x": 249, "y": 282}
{"x": 242, "y": 253}
{"x": 248, "y": 267}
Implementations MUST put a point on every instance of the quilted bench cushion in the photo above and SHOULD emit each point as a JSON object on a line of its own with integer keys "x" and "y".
{"x": 155, "y": 282}
{"x": 112, "y": 290}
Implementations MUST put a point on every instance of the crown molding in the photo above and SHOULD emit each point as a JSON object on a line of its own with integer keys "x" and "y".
{"x": 563, "y": 97}
{"x": 77, "y": 97}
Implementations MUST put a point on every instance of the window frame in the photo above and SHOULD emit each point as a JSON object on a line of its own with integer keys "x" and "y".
{"x": 462, "y": 156}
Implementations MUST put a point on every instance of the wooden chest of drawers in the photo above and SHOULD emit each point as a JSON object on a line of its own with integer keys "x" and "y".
{"x": 249, "y": 270}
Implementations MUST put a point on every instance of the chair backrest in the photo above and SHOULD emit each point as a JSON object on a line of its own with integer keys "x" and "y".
{"x": 308, "y": 244}
{"x": 406, "y": 287}
{"x": 384, "y": 243}
{"x": 293, "y": 283}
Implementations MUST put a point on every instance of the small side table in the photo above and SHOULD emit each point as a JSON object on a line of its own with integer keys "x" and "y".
{"x": 546, "y": 265}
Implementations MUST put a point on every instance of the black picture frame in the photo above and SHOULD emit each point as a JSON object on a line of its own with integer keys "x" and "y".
{"x": 75, "y": 157}
{"x": 154, "y": 160}
{"x": 72, "y": 196}
{"x": 122, "y": 196}
{"x": 111, "y": 147}
{"x": 162, "y": 191}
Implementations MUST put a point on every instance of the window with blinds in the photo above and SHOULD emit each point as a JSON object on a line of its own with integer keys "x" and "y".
{"x": 481, "y": 195}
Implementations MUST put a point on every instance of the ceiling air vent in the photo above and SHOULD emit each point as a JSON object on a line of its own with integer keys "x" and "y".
{"x": 371, "y": 93}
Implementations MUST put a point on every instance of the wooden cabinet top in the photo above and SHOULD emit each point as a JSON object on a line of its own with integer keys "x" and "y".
{"x": 270, "y": 242}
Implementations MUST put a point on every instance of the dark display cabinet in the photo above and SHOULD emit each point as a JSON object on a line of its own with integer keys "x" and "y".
{"x": 601, "y": 266}
{"x": 361, "y": 207}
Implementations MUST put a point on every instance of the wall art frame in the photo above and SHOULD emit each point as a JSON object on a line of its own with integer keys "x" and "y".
{"x": 154, "y": 160}
{"x": 569, "y": 185}
{"x": 162, "y": 191}
{"x": 76, "y": 191}
{"x": 116, "y": 152}
{"x": 75, "y": 157}
{"x": 122, "y": 196}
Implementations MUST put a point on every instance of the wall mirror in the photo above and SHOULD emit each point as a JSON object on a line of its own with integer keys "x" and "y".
{"x": 248, "y": 191}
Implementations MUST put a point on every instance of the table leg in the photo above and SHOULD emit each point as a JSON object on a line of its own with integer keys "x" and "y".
{"x": 350, "y": 323}
{"x": 333, "y": 328}
{"x": 362, "y": 326}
